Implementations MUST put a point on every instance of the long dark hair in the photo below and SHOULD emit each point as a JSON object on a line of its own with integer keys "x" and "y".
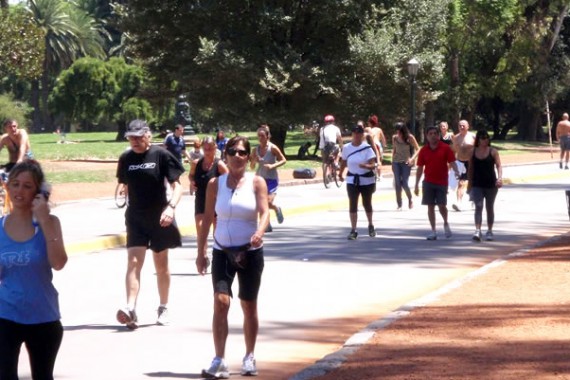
{"x": 481, "y": 134}
{"x": 404, "y": 130}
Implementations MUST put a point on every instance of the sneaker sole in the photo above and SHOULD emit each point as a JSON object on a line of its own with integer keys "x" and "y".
{"x": 249, "y": 373}
{"x": 217, "y": 375}
{"x": 125, "y": 319}
{"x": 477, "y": 239}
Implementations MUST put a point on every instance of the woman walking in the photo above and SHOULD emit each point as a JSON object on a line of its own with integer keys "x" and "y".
{"x": 484, "y": 182}
{"x": 360, "y": 159}
{"x": 31, "y": 245}
{"x": 403, "y": 144}
{"x": 268, "y": 157}
{"x": 201, "y": 172}
{"x": 239, "y": 199}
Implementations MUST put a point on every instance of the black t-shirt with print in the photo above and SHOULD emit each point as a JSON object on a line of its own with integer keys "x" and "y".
{"x": 144, "y": 173}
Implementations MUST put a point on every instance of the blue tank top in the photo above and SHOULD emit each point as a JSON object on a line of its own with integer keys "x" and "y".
{"x": 27, "y": 294}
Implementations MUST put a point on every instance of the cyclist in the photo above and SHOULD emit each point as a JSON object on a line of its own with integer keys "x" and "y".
{"x": 16, "y": 141}
{"x": 330, "y": 140}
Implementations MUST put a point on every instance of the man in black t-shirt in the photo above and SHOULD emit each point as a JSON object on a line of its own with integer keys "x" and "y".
{"x": 148, "y": 171}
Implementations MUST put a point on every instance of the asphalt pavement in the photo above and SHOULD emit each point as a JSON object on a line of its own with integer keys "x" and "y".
{"x": 318, "y": 288}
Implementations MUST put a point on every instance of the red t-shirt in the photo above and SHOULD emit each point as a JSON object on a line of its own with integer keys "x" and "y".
{"x": 435, "y": 163}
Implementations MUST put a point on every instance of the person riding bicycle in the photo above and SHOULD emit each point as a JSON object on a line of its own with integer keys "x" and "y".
{"x": 17, "y": 142}
{"x": 330, "y": 140}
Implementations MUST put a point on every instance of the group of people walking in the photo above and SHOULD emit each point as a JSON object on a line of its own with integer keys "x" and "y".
{"x": 229, "y": 199}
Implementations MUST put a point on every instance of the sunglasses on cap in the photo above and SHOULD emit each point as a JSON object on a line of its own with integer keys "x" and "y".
{"x": 240, "y": 152}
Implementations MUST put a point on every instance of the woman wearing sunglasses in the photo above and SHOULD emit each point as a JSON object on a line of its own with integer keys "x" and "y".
{"x": 483, "y": 182}
{"x": 239, "y": 201}
{"x": 268, "y": 157}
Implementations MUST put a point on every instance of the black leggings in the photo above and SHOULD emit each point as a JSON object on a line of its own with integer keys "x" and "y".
{"x": 355, "y": 191}
{"x": 42, "y": 341}
{"x": 488, "y": 196}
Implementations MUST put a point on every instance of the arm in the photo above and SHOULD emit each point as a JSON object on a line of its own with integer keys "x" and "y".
{"x": 51, "y": 229}
{"x": 253, "y": 159}
{"x": 495, "y": 154}
{"x": 167, "y": 216}
{"x": 383, "y": 139}
{"x": 192, "y": 173}
{"x": 557, "y": 132}
{"x": 187, "y": 155}
{"x": 260, "y": 189}
{"x": 470, "y": 174}
{"x": 339, "y": 140}
{"x": 281, "y": 160}
{"x": 371, "y": 164}
{"x": 341, "y": 169}
{"x": 211, "y": 194}
{"x": 419, "y": 173}
{"x": 416, "y": 146}
{"x": 24, "y": 143}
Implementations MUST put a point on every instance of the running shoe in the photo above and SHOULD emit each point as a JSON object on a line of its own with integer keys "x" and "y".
{"x": 248, "y": 367}
{"x": 352, "y": 235}
{"x": 489, "y": 236}
{"x": 447, "y": 230}
{"x": 371, "y": 230}
{"x": 279, "y": 215}
{"x": 218, "y": 370}
{"x": 432, "y": 236}
{"x": 560, "y": 165}
{"x": 269, "y": 228}
{"x": 163, "y": 319}
{"x": 476, "y": 236}
{"x": 455, "y": 207}
{"x": 128, "y": 317}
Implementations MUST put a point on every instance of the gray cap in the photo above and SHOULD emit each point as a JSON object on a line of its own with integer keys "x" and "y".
{"x": 137, "y": 128}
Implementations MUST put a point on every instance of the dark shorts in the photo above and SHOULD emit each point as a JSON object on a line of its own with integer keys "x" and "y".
{"x": 564, "y": 143}
{"x": 199, "y": 204}
{"x": 330, "y": 149}
{"x": 249, "y": 273}
{"x": 144, "y": 230}
{"x": 463, "y": 176}
{"x": 433, "y": 194}
{"x": 272, "y": 185}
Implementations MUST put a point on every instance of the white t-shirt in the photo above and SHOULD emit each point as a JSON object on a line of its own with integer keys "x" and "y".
{"x": 329, "y": 133}
{"x": 363, "y": 155}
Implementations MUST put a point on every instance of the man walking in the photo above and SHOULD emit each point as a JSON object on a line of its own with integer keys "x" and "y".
{"x": 175, "y": 144}
{"x": 433, "y": 160}
{"x": 563, "y": 137}
{"x": 149, "y": 217}
{"x": 463, "y": 145}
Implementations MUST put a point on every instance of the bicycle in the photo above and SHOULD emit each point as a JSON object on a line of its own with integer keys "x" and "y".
{"x": 121, "y": 195}
{"x": 330, "y": 172}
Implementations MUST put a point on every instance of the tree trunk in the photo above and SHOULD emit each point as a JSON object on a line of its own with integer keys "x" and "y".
{"x": 278, "y": 136}
{"x": 455, "y": 96}
{"x": 122, "y": 128}
{"x": 35, "y": 103}
{"x": 4, "y": 4}
{"x": 528, "y": 124}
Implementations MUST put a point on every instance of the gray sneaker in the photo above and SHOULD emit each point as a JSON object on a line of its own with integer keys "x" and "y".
{"x": 218, "y": 370}
{"x": 447, "y": 229}
{"x": 128, "y": 317}
{"x": 432, "y": 236}
{"x": 162, "y": 319}
{"x": 248, "y": 367}
{"x": 279, "y": 214}
{"x": 489, "y": 236}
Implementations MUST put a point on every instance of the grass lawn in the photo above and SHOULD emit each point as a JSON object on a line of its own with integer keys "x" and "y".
{"x": 102, "y": 146}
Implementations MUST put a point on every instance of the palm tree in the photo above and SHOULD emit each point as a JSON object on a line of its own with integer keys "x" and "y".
{"x": 70, "y": 34}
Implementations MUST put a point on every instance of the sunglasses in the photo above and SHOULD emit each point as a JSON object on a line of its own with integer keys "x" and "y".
{"x": 241, "y": 152}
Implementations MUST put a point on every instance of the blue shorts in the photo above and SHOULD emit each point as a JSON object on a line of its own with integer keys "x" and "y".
{"x": 249, "y": 273}
{"x": 433, "y": 194}
{"x": 272, "y": 185}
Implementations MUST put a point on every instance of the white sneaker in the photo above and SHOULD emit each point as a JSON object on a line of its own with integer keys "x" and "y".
{"x": 162, "y": 319}
{"x": 432, "y": 236}
{"x": 477, "y": 236}
{"x": 218, "y": 370}
{"x": 447, "y": 229}
{"x": 248, "y": 367}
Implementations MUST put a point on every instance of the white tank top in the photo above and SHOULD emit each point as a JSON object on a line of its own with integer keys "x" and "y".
{"x": 236, "y": 212}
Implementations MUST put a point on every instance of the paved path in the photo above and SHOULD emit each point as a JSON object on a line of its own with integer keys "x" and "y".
{"x": 318, "y": 288}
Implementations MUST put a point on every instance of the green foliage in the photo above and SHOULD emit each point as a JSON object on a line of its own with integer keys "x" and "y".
{"x": 9, "y": 108}
{"x": 21, "y": 44}
{"x": 93, "y": 90}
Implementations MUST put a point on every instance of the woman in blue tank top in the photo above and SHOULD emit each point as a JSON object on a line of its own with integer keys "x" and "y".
{"x": 31, "y": 245}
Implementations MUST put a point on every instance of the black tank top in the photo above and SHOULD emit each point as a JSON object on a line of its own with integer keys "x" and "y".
{"x": 484, "y": 171}
{"x": 202, "y": 177}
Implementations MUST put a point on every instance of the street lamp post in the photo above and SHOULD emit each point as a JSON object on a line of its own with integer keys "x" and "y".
{"x": 413, "y": 66}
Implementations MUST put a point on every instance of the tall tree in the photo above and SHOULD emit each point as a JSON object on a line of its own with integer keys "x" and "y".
{"x": 248, "y": 62}
{"x": 69, "y": 34}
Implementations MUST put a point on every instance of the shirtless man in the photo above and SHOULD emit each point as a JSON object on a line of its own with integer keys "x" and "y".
{"x": 463, "y": 145}
{"x": 16, "y": 141}
{"x": 373, "y": 130}
{"x": 563, "y": 137}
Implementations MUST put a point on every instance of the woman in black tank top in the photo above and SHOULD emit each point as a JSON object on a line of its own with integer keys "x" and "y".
{"x": 484, "y": 182}
{"x": 201, "y": 171}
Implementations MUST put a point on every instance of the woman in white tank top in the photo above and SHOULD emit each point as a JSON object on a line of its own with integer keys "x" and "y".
{"x": 239, "y": 200}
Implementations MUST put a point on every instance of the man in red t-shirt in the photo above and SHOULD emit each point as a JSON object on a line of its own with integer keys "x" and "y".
{"x": 435, "y": 156}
